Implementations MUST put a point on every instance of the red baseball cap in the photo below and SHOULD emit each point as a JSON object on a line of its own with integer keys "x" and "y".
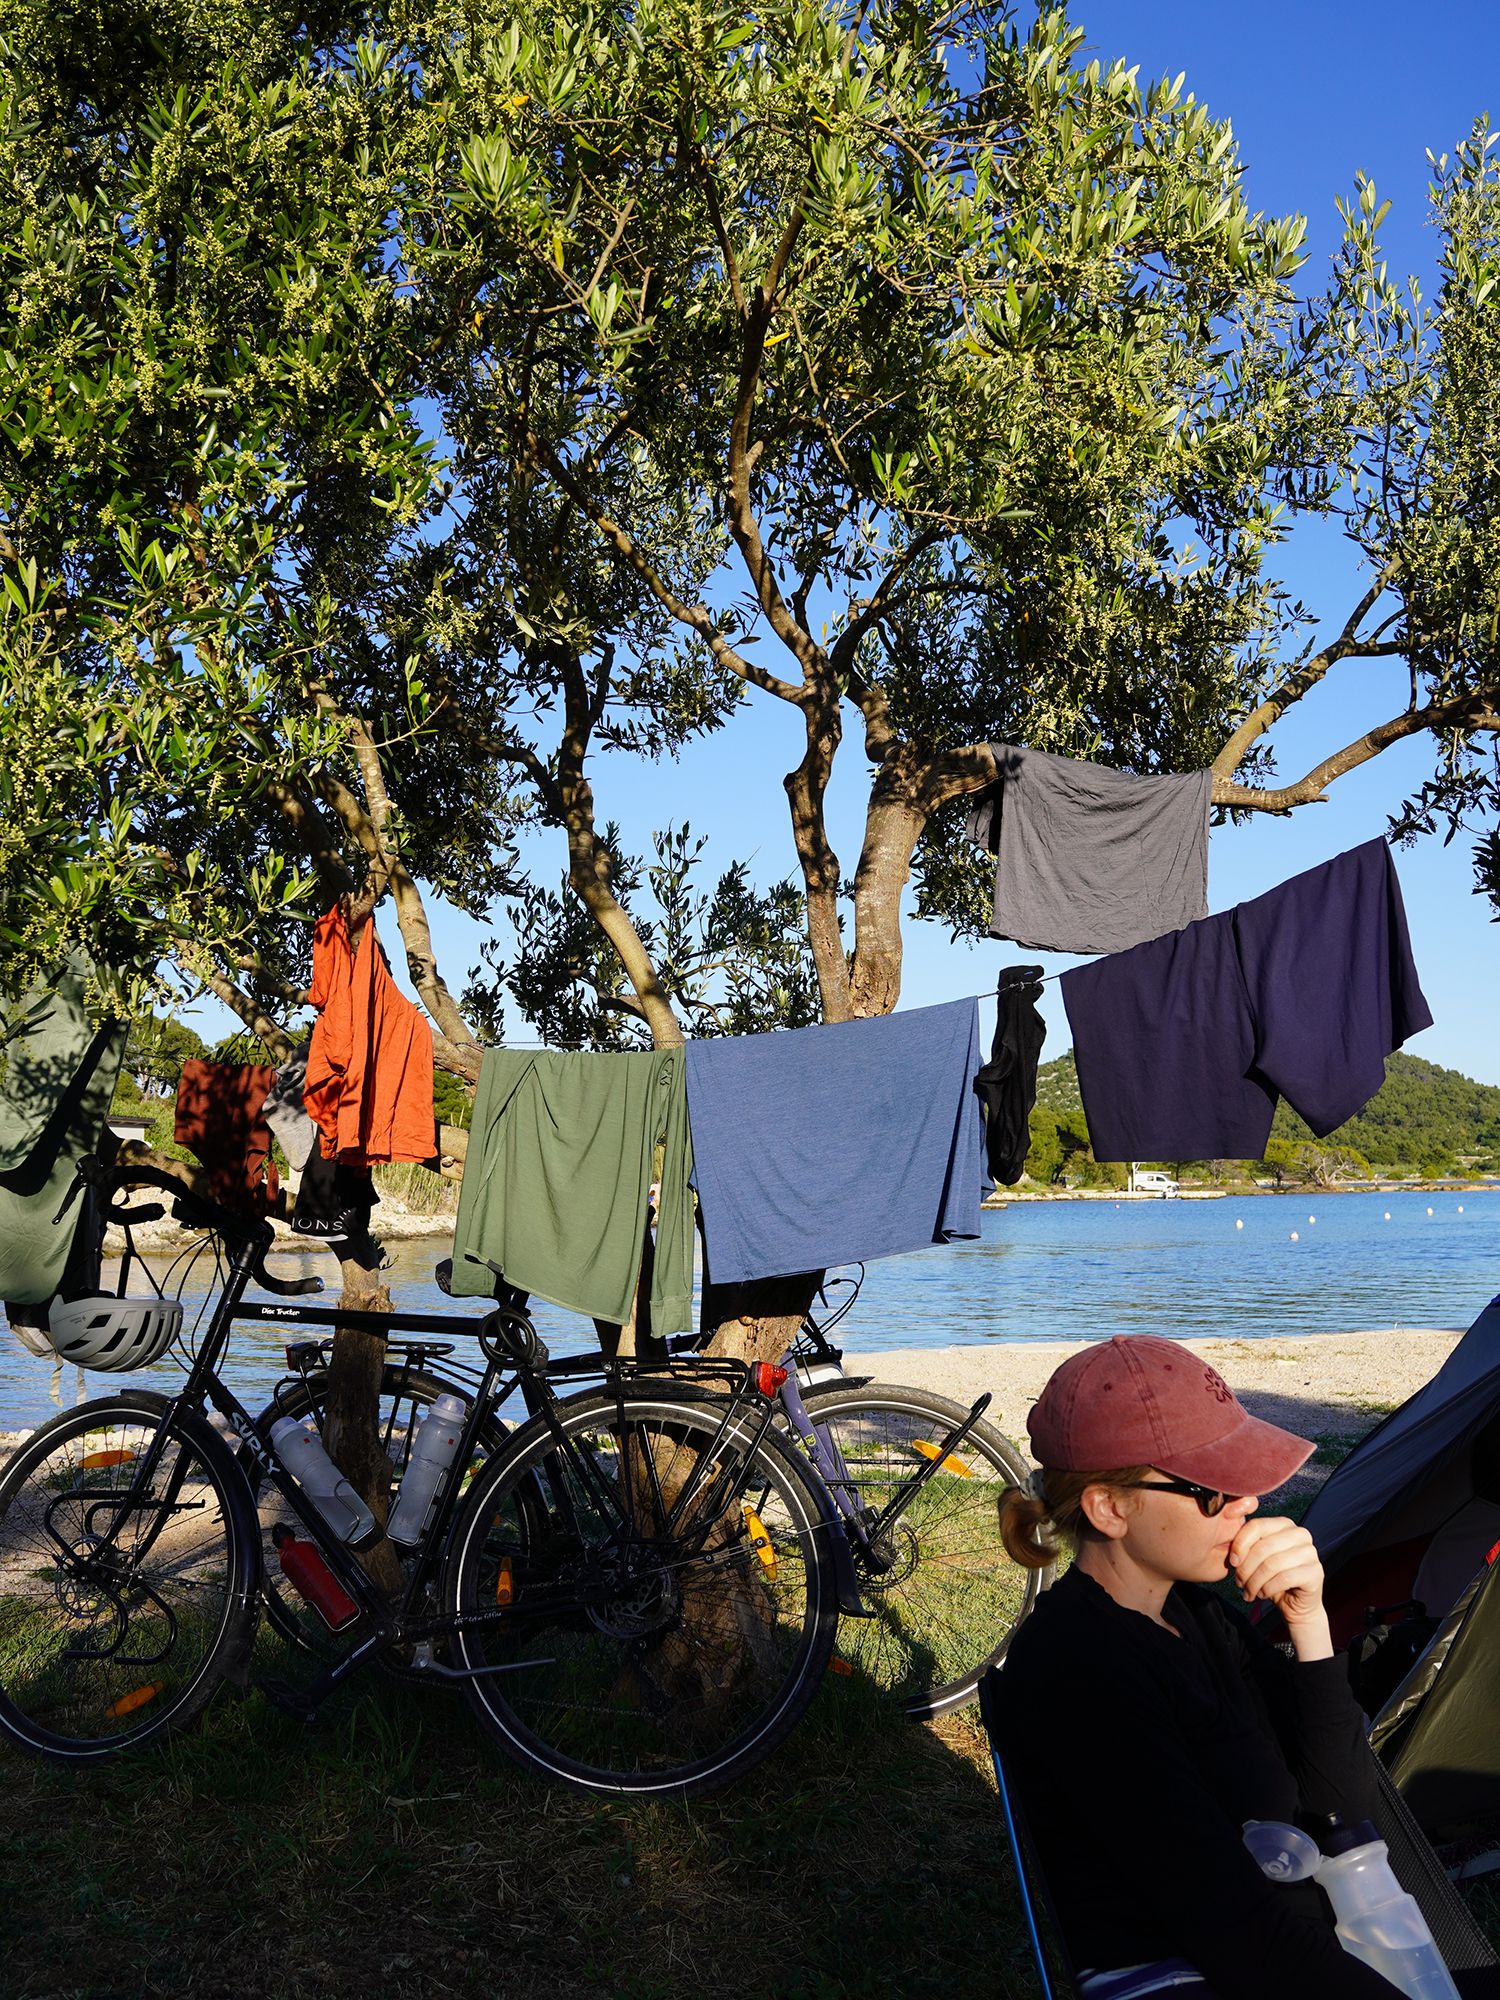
{"x": 1139, "y": 1400}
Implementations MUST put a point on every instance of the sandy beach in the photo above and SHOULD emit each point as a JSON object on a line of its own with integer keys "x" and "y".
{"x": 1330, "y": 1385}
{"x": 1336, "y": 1385}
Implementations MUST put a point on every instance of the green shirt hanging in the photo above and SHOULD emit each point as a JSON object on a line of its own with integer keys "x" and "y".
{"x": 57, "y": 1077}
{"x": 561, "y": 1159}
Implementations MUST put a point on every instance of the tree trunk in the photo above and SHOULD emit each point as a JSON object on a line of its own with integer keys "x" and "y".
{"x": 352, "y": 1431}
{"x": 759, "y": 1321}
{"x": 893, "y": 825}
{"x": 805, "y": 790}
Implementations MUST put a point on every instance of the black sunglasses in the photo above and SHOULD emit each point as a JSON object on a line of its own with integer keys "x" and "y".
{"x": 1209, "y": 1502}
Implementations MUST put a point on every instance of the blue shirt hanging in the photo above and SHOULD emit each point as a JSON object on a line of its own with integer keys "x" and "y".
{"x": 833, "y": 1145}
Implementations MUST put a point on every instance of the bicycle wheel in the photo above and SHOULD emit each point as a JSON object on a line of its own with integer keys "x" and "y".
{"x": 123, "y": 1602}
{"x": 945, "y": 1594}
{"x": 406, "y": 1395}
{"x": 671, "y": 1618}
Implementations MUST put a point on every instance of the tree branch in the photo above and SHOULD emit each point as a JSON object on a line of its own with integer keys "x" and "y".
{"x": 1469, "y": 713}
{"x": 301, "y": 813}
{"x": 880, "y": 736}
{"x": 411, "y": 910}
{"x": 696, "y": 617}
{"x": 591, "y": 869}
{"x": 743, "y": 525}
{"x": 1303, "y": 679}
{"x": 255, "y": 1018}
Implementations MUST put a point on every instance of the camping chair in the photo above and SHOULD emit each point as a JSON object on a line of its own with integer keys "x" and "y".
{"x": 1058, "y": 1977}
{"x": 1463, "y": 1945}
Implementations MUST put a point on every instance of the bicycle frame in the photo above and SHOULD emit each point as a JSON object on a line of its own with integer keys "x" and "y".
{"x": 403, "y": 1619}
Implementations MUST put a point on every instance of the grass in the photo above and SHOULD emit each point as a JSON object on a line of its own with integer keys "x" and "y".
{"x": 391, "y": 1851}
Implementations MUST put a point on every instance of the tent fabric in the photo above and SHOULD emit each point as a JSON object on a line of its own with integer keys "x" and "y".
{"x": 1418, "y": 1447}
{"x": 1436, "y": 1734}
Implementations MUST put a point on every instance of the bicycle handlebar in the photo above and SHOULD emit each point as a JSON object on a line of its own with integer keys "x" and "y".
{"x": 197, "y": 1211}
{"x": 288, "y": 1288}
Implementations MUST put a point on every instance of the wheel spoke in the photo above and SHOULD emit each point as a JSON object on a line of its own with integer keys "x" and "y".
{"x": 117, "y": 1594}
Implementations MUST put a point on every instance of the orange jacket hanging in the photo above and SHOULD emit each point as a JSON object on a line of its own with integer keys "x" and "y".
{"x": 369, "y": 1063}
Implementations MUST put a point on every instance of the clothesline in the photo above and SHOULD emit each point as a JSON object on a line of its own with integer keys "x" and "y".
{"x": 582, "y": 1048}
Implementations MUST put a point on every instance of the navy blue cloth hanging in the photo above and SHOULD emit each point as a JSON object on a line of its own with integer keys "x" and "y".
{"x": 1183, "y": 1045}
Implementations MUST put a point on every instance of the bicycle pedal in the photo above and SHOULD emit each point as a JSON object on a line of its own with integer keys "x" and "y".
{"x": 290, "y": 1700}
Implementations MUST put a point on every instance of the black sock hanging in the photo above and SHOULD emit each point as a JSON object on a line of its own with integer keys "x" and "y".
{"x": 1007, "y": 1083}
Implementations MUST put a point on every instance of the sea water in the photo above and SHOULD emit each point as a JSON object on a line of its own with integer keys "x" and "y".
{"x": 1244, "y": 1266}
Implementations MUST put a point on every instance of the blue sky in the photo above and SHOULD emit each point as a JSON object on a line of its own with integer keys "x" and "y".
{"x": 1315, "y": 91}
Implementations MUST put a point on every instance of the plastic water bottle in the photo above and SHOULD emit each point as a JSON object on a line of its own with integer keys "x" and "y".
{"x": 300, "y": 1450}
{"x": 432, "y": 1454}
{"x": 1377, "y": 1921}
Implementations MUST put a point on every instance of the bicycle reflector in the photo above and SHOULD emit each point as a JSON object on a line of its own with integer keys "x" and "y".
{"x": 129, "y": 1703}
{"x": 949, "y": 1464}
{"x": 766, "y": 1378}
{"x": 760, "y": 1541}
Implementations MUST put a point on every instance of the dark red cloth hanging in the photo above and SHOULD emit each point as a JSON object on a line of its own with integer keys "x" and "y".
{"x": 218, "y": 1116}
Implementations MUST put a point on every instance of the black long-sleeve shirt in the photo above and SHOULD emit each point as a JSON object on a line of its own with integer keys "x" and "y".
{"x": 1139, "y": 1754}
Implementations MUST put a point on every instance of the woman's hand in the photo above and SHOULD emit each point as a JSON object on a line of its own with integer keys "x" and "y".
{"x": 1274, "y": 1560}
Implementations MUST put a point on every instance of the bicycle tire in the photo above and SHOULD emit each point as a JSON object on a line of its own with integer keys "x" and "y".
{"x": 286, "y": 1613}
{"x": 951, "y": 1598}
{"x": 77, "y": 1608}
{"x": 653, "y": 1670}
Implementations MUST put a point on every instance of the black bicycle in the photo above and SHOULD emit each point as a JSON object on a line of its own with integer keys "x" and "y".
{"x": 637, "y": 1588}
{"x": 915, "y": 1480}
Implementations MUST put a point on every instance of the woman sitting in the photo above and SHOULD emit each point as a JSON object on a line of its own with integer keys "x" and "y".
{"x": 1142, "y": 1717}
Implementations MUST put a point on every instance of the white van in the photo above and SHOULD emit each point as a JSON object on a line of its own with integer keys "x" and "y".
{"x": 1151, "y": 1180}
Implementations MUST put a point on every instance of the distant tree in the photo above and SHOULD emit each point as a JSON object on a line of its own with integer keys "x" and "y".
{"x": 1313, "y": 1163}
{"x": 1044, "y": 1156}
{"x": 156, "y": 1050}
{"x": 451, "y": 1103}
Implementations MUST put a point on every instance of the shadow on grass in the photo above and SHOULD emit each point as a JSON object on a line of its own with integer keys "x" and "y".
{"x": 391, "y": 1851}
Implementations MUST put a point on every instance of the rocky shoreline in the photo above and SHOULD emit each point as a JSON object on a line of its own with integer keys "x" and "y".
{"x": 393, "y": 1223}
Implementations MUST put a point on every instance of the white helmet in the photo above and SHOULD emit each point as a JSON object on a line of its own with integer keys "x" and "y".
{"x": 115, "y": 1334}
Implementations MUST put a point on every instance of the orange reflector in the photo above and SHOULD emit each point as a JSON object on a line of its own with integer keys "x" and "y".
{"x": 949, "y": 1464}
{"x": 505, "y": 1583}
{"x": 121, "y": 1455}
{"x": 137, "y": 1698}
{"x": 838, "y": 1666}
{"x": 760, "y": 1541}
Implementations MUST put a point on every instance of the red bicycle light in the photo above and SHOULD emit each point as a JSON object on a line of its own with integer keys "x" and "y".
{"x": 767, "y": 1378}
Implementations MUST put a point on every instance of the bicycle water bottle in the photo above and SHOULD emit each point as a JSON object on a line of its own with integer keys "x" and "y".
{"x": 305, "y": 1570}
{"x": 1377, "y": 1921}
{"x": 300, "y": 1450}
{"x": 432, "y": 1455}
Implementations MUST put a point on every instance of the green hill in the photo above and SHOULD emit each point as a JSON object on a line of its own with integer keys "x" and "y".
{"x": 1422, "y": 1118}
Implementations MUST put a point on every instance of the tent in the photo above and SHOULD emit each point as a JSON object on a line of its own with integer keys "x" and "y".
{"x": 1437, "y": 1734}
{"x": 1414, "y": 1510}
